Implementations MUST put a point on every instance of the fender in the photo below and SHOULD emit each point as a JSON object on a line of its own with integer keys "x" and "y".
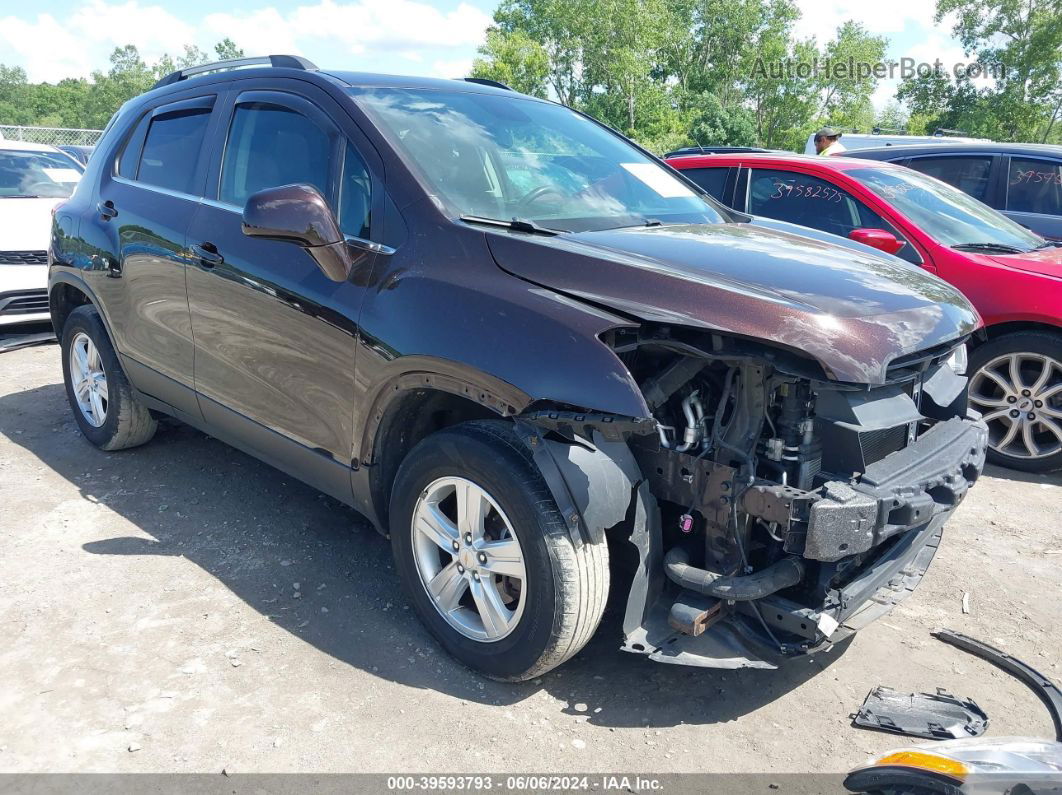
{"x": 56, "y": 276}
{"x": 597, "y": 486}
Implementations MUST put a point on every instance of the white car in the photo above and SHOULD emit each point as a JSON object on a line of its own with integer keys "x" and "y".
{"x": 33, "y": 179}
{"x": 856, "y": 141}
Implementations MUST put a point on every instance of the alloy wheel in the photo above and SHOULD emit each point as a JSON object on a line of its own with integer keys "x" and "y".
{"x": 89, "y": 380}
{"x": 469, "y": 559}
{"x": 1020, "y": 398}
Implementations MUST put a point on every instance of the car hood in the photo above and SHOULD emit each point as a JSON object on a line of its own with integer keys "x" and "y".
{"x": 1047, "y": 261}
{"x": 853, "y": 312}
{"x": 25, "y": 224}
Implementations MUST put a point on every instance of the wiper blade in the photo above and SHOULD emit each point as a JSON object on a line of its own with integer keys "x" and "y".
{"x": 22, "y": 196}
{"x": 990, "y": 247}
{"x": 516, "y": 224}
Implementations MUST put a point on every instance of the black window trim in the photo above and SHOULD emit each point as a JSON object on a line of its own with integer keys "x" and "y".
{"x": 1005, "y": 179}
{"x": 296, "y": 104}
{"x": 134, "y": 137}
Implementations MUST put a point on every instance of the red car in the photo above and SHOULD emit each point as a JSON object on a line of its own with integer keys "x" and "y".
{"x": 1012, "y": 276}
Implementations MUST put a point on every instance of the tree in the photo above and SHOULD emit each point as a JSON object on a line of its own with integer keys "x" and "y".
{"x": 846, "y": 96}
{"x": 513, "y": 59}
{"x": 226, "y": 49}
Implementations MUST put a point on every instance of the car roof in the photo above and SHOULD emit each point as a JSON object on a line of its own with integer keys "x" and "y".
{"x": 25, "y": 146}
{"x": 906, "y": 150}
{"x": 830, "y": 162}
{"x": 376, "y": 80}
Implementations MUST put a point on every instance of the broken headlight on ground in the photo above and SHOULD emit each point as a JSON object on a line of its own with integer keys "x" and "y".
{"x": 793, "y": 510}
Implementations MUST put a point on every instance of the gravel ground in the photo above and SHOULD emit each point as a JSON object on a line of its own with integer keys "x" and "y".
{"x": 183, "y": 607}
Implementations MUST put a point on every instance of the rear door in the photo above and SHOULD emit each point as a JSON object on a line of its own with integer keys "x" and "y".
{"x": 1034, "y": 194}
{"x": 275, "y": 337}
{"x": 717, "y": 181}
{"x": 145, "y": 205}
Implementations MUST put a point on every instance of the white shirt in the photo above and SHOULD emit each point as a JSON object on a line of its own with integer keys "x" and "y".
{"x": 833, "y": 149}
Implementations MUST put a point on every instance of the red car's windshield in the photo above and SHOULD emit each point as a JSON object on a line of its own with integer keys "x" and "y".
{"x": 948, "y": 215}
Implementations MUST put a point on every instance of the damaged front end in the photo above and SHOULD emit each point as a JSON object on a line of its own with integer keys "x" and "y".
{"x": 774, "y": 512}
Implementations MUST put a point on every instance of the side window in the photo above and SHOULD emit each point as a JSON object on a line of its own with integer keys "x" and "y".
{"x": 270, "y": 145}
{"x": 130, "y": 157}
{"x": 968, "y": 174}
{"x": 354, "y": 195}
{"x": 171, "y": 149}
{"x": 1034, "y": 186}
{"x": 808, "y": 201}
{"x": 712, "y": 180}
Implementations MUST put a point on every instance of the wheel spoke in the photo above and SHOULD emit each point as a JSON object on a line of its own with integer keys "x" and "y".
{"x": 1050, "y": 412}
{"x": 1015, "y": 372}
{"x": 94, "y": 363}
{"x": 1048, "y": 366}
{"x": 503, "y": 558}
{"x": 81, "y": 356}
{"x": 991, "y": 403}
{"x": 434, "y": 524}
{"x": 997, "y": 379}
{"x": 447, "y": 587}
{"x": 1008, "y": 437}
{"x": 471, "y": 509}
{"x": 995, "y": 415}
{"x": 1029, "y": 437}
{"x": 96, "y": 406}
{"x": 492, "y": 611}
{"x": 81, "y": 390}
{"x": 1051, "y": 391}
{"x": 101, "y": 386}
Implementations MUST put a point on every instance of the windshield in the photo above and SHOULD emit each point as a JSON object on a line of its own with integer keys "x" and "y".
{"x": 506, "y": 157}
{"x": 948, "y": 215}
{"x": 28, "y": 174}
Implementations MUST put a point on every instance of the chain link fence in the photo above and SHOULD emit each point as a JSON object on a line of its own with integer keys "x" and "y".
{"x": 56, "y": 136}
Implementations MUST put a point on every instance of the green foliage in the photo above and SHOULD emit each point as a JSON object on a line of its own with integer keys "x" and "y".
{"x": 89, "y": 104}
{"x": 677, "y": 72}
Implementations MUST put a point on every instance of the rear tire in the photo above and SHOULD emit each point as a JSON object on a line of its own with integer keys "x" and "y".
{"x": 105, "y": 407}
{"x": 1020, "y": 373}
{"x": 552, "y": 612}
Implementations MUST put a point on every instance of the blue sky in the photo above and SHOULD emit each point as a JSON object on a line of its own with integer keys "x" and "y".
{"x": 59, "y": 38}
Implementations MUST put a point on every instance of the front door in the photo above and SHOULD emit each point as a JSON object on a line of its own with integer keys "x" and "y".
{"x": 275, "y": 338}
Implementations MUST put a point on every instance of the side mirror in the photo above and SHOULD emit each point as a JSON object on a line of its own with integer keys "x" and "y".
{"x": 299, "y": 214}
{"x": 880, "y": 239}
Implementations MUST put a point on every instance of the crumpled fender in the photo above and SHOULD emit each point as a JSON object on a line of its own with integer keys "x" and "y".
{"x": 597, "y": 484}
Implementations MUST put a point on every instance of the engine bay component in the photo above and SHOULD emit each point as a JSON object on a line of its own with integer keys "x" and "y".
{"x": 803, "y": 506}
{"x": 934, "y": 716}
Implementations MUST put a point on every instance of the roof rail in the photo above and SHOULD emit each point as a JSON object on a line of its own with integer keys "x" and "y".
{"x": 485, "y": 81}
{"x": 286, "y": 61}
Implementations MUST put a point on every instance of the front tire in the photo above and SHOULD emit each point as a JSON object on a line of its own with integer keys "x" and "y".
{"x": 486, "y": 557}
{"x": 1016, "y": 384}
{"x": 104, "y": 404}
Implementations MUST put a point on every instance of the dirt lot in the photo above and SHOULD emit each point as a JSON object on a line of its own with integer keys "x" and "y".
{"x": 182, "y": 607}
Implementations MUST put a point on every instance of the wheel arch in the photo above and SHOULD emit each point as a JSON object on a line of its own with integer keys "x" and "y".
{"x": 997, "y": 330}
{"x": 66, "y": 293}
{"x": 428, "y": 396}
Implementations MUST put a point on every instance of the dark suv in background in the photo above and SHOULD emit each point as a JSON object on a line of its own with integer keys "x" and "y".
{"x": 1022, "y": 181}
{"x": 521, "y": 346}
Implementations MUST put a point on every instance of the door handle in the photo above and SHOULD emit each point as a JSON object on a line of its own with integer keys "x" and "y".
{"x": 106, "y": 210}
{"x": 208, "y": 254}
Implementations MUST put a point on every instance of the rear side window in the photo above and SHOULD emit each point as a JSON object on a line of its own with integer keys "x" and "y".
{"x": 130, "y": 157}
{"x": 1034, "y": 186}
{"x": 968, "y": 174}
{"x": 712, "y": 180}
{"x": 171, "y": 149}
{"x": 270, "y": 145}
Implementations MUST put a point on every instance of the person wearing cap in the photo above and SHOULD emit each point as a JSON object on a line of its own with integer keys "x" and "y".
{"x": 828, "y": 141}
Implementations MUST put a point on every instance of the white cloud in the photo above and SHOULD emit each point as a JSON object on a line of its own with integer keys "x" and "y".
{"x": 415, "y": 30}
{"x": 880, "y": 18}
{"x": 258, "y": 32}
{"x": 457, "y": 67}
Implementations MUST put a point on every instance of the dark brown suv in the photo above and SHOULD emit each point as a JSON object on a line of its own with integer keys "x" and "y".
{"x": 522, "y": 346}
